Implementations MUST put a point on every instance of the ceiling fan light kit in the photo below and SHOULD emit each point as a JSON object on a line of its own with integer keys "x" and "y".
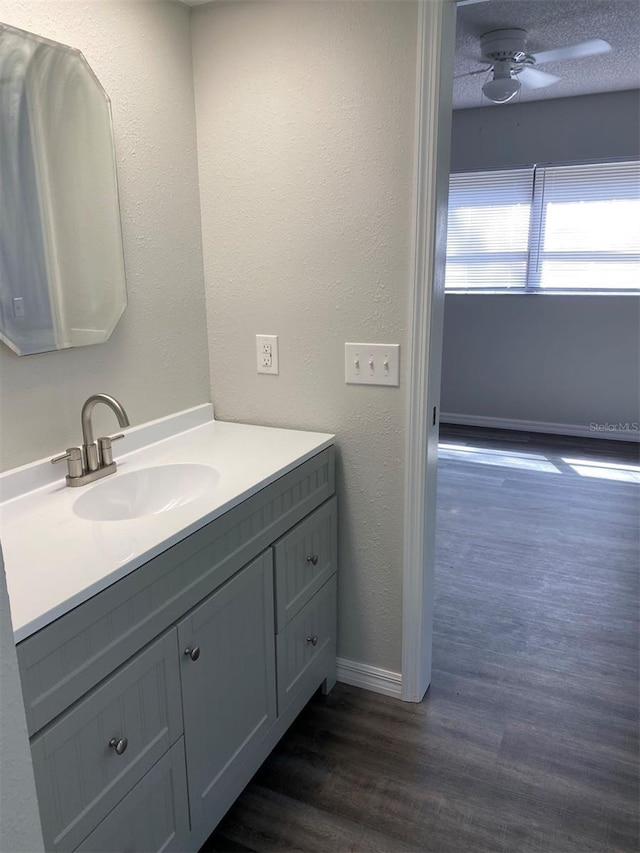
{"x": 504, "y": 86}
{"x": 513, "y": 67}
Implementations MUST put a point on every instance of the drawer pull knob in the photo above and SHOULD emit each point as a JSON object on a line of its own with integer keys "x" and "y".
{"x": 313, "y": 560}
{"x": 119, "y": 744}
{"x": 193, "y": 653}
{"x": 313, "y": 640}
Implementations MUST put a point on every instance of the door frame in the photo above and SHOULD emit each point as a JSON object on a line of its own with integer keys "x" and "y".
{"x": 435, "y": 52}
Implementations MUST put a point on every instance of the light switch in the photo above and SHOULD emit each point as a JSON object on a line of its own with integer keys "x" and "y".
{"x": 18, "y": 306}
{"x": 267, "y": 353}
{"x": 372, "y": 364}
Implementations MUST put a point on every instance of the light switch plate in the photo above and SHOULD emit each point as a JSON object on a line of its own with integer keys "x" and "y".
{"x": 372, "y": 364}
{"x": 267, "y": 354}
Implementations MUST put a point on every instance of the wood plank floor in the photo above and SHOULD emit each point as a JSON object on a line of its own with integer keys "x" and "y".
{"x": 527, "y": 741}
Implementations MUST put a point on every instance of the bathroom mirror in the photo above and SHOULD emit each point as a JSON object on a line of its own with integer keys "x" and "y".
{"x": 62, "y": 280}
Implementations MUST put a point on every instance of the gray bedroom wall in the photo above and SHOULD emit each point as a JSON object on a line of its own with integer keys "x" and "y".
{"x": 546, "y": 359}
{"x": 589, "y": 127}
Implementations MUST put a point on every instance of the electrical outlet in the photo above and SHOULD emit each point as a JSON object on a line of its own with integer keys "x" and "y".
{"x": 267, "y": 354}
{"x": 372, "y": 364}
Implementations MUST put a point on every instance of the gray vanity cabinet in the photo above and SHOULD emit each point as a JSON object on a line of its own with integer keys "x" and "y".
{"x": 200, "y": 660}
{"x": 228, "y": 682}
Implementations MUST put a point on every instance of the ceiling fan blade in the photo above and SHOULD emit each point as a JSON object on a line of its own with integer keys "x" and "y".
{"x": 531, "y": 78}
{"x": 592, "y": 47}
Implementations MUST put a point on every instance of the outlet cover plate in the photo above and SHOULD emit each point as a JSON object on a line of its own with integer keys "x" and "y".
{"x": 372, "y": 364}
{"x": 267, "y": 354}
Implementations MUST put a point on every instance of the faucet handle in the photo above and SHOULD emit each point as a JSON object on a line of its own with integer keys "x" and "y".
{"x": 104, "y": 448}
{"x": 74, "y": 463}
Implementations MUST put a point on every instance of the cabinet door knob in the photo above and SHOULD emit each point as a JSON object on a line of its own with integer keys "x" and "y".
{"x": 193, "y": 653}
{"x": 119, "y": 744}
{"x": 313, "y": 559}
{"x": 313, "y": 640}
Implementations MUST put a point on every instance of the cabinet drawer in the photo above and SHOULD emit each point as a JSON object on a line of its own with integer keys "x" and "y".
{"x": 80, "y": 776}
{"x": 63, "y": 661}
{"x": 305, "y": 559}
{"x": 305, "y": 643}
{"x": 154, "y": 816}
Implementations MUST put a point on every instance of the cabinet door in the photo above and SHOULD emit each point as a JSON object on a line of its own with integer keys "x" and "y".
{"x": 228, "y": 681}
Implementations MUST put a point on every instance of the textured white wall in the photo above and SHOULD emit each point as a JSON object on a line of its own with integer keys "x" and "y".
{"x": 305, "y": 143}
{"x": 19, "y": 818}
{"x": 568, "y": 360}
{"x": 156, "y": 362}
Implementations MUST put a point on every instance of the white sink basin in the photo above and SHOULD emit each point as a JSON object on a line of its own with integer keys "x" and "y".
{"x": 148, "y": 491}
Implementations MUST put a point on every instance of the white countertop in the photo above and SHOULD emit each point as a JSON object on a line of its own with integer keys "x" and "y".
{"x": 55, "y": 560}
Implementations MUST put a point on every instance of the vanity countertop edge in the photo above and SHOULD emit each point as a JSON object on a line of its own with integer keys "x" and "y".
{"x": 55, "y": 560}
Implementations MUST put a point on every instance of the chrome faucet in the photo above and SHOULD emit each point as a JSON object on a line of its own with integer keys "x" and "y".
{"x": 94, "y": 459}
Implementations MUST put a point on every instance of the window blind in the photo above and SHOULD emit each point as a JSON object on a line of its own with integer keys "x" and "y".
{"x": 546, "y": 228}
{"x": 488, "y": 229}
{"x": 586, "y": 227}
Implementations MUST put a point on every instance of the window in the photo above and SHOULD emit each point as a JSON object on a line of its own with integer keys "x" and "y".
{"x": 566, "y": 229}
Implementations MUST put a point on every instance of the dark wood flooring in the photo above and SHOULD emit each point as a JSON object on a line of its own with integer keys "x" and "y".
{"x": 527, "y": 741}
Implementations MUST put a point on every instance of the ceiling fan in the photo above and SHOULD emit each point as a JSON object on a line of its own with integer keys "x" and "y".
{"x": 513, "y": 68}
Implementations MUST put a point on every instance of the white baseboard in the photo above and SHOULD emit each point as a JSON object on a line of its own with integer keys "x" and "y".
{"x": 541, "y": 426}
{"x": 369, "y": 677}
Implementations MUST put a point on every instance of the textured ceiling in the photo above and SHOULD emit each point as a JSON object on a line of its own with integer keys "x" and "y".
{"x": 553, "y": 23}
